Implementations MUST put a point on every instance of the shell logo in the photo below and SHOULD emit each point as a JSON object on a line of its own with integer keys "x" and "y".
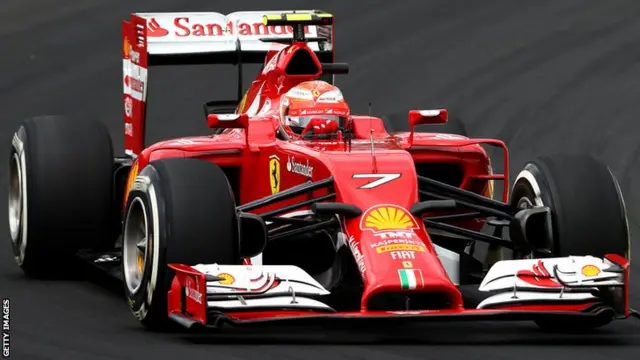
{"x": 228, "y": 279}
{"x": 590, "y": 270}
{"x": 387, "y": 218}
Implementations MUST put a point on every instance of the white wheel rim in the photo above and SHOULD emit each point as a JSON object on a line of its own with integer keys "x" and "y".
{"x": 15, "y": 198}
{"x": 135, "y": 245}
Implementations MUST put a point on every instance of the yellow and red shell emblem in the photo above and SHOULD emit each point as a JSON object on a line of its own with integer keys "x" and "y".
{"x": 590, "y": 270}
{"x": 228, "y": 279}
{"x": 387, "y": 218}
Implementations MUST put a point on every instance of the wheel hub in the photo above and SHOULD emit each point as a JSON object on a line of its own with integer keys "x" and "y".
{"x": 524, "y": 203}
{"x": 135, "y": 245}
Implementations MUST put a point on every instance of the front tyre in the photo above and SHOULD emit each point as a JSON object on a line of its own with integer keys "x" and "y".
{"x": 178, "y": 211}
{"x": 587, "y": 207}
{"x": 588, "y": 213}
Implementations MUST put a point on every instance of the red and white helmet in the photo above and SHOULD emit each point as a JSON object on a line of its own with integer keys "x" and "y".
{"x": 312, "y": 100}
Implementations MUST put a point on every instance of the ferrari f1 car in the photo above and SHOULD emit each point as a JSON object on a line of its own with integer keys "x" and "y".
{"x": 257, "y": 223}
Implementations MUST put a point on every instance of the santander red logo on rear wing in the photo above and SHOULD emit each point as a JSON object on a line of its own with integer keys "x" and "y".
{"x": 169, "y": 33}
{"x": 185, "y": 26}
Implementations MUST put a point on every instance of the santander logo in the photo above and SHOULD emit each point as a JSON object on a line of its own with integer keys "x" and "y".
{"x": 186, "y": 27}
{"x": 155, "y": 30}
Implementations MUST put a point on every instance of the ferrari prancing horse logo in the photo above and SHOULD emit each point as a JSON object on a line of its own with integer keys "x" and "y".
{"x": 274, "y": 173}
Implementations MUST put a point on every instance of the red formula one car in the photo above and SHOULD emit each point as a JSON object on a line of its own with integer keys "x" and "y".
{"x": 296, "y": 210}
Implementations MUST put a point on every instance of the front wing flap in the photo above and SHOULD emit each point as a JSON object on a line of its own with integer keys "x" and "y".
{"x": 574, "y": 279}
{"x": 199, "y": 291}
{"x": 560, "y": 288}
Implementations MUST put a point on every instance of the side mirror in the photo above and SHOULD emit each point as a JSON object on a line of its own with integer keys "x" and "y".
{"x": 253, "y": 234}
{"x": 226, "y": 121}
{"x": 422, "y": 117}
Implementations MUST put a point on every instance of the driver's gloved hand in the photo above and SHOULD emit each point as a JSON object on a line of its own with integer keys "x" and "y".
{"x": 319, "y": 126}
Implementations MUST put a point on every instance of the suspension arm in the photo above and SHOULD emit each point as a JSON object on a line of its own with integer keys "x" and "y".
{"x": 297, "y": 190}
{"x": 466, "y": 196}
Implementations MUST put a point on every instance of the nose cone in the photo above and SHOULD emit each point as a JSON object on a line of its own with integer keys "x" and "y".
{"x": 395, "y": 256}
{"x": 391, "y": 247}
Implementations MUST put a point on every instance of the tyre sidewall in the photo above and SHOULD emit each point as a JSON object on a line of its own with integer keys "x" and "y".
{"x": 570, "y": 235}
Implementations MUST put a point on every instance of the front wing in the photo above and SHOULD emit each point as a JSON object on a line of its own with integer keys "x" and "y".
{"x": 566, "y": 288}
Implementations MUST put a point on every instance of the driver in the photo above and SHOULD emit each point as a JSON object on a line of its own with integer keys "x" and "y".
{"x": 313, "y": 108}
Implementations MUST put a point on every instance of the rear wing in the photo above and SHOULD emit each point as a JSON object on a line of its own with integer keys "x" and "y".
{"x": 154, "y": 39}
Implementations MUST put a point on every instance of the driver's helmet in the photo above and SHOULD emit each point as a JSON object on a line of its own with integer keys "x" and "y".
{"x": 312, "y": 100}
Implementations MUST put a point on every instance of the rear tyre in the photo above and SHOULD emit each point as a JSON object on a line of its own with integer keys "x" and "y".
{"x": 178, "y": 211}
{"x": 587, "y": 210}
{"x": 60, "y": 192}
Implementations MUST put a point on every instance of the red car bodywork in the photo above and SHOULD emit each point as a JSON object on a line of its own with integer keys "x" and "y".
{"x": 249, "y": 153}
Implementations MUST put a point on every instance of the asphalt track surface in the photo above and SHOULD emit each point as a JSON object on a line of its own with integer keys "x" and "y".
{"x": 547, "y": 76}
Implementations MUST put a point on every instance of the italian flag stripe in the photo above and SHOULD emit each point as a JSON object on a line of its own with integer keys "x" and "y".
{"x": 410, "y": 278}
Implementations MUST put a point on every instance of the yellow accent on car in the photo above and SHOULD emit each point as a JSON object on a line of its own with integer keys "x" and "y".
{"x": 293, "y": 18}
{"x": 125, "y": 47}
{"x": 386, "y": 218}
{"x": 274, "y": 174}
{"x": 228, "y": 279}
{"x": 590, "y": 270}
{"x": 140, "y": 263}
{"x": 132, "y": 176}
{"x": 489, "y": 190}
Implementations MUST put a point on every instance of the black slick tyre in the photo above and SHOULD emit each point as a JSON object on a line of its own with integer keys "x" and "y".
{"x": 60, "y": 192}
{"x": 587, "y": 211}
{"x": 587, "y": 206}
{"x": 178, "y": 211}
